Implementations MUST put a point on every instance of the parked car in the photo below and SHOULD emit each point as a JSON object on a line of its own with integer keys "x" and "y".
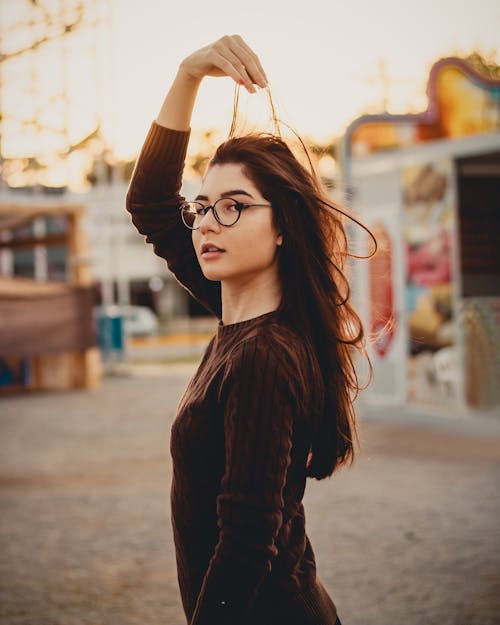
{"x": 137, "y": 320}
{"x": 140, "y": 321}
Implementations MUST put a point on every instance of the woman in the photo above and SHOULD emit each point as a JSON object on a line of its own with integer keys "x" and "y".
{"x": 271, "y": 402}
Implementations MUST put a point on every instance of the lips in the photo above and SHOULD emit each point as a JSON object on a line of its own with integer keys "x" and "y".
{"x": 210, "y": 247}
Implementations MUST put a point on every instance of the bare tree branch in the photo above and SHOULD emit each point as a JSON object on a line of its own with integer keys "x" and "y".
{"x": 63, "y": 29}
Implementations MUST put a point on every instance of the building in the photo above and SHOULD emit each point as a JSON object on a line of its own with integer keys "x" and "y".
{"x": 427, "y": 185}
{"x": 47, "y": 338}
{"x": 124, "y": 268}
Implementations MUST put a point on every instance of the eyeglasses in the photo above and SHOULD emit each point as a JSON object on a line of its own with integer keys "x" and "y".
{"x": 226, "y": 211}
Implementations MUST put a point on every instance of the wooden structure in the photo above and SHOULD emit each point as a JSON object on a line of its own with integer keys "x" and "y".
{"x": 48, "y": 326}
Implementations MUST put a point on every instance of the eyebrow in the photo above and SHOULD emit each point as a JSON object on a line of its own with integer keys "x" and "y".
{"x": 227, "y": 194}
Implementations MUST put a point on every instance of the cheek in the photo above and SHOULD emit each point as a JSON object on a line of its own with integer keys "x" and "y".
{"x": 259, "y": 239}
{"x": 194, "y": 237}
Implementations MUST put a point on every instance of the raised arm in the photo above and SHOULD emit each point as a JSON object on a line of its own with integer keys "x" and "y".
{"x": 153, "y": 197}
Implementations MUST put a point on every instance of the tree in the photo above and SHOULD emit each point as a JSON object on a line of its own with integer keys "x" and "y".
{"x": 487, "y": 66}
{"x": 40, "y": 26}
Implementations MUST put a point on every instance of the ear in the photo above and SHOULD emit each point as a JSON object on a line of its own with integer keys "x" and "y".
{"x": 279, "y": 239}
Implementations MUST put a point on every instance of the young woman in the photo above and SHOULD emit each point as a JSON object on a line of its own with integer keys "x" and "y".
{"x": 262, "y": 248}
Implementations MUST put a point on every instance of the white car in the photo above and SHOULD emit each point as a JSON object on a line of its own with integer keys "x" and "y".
{"x": 137, "y": 320}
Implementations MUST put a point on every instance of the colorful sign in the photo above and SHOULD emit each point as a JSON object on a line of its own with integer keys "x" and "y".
{"x": 382, "y": 312}
{"x": 428, "y": 233}
{"x": 462, "y": 102}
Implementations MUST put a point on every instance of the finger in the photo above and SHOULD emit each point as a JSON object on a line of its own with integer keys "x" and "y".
{"x": 242, "y": 57}
{"x": 251, "y": 68}
{"x": 239, "y": 66}
{"x": 253, "y": 59}
{"x": 237, "y": 73}
{"x": 223, "y": 50}
{"x": 250, "y": 60}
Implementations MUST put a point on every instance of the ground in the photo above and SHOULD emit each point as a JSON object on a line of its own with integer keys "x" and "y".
{"x": 409, "y": 535}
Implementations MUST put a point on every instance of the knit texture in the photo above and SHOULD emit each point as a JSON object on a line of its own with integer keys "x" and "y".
{"x": 240, "y": 439}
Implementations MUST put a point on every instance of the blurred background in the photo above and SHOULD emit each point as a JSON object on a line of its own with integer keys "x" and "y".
{"x": 400, "y": 107}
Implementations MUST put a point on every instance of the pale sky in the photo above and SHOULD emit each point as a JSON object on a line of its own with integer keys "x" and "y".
{"x": 322, "y": 58}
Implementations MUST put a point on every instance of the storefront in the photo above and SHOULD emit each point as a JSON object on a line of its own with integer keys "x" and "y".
{"x": 428, "y": 187}
{"x": 47, "y": 337}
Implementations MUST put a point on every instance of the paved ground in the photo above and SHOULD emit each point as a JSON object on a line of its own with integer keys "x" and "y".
{"x": 408, "y": 536}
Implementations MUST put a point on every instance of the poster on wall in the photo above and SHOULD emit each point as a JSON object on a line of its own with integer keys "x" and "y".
{"x": 480, "y": 317}
{"x": 383, "y": 281}
{"x": 382, "y": 312}
{"x": 429, "y": 239}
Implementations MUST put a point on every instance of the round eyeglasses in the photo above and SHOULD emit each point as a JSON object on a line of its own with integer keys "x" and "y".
{"x": 226, "y": 211}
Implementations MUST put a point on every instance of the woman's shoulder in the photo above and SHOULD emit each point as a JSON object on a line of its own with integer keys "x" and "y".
{"x": 270, "y": 349}
{"x": 276, "y": 341}
{"x": 283, "y": 339}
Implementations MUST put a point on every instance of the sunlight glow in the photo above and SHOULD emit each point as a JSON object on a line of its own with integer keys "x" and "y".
{"x": 327, "y": 62}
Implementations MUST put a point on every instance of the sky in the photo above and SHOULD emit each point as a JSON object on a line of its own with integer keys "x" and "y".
{"x": 324, "y": 60}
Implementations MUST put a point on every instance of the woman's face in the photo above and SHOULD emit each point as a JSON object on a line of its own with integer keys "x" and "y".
{"x": 249, "y": 246}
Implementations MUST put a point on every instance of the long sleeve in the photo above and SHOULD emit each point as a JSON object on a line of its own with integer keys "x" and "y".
{"x": 153, "y": 201}
{"x": 259, "y": 408}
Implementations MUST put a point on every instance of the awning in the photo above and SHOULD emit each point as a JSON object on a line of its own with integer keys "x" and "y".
{"x": 44, "y": 317}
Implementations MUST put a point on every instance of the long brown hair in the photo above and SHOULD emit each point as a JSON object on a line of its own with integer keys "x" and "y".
{"x": 315, "y": 290}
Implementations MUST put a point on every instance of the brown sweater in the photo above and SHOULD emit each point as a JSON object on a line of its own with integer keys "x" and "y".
{"x": 240, "y": 439}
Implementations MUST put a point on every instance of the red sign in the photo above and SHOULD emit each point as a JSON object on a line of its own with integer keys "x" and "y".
{"x": 382, "y": 325}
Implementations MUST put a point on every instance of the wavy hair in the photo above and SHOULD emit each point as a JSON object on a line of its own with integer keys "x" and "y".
{"x": 315, "y": 291}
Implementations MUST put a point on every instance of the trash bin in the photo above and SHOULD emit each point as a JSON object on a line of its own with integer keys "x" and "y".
{"x": 110, "y": 330}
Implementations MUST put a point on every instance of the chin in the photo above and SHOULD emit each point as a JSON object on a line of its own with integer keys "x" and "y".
{"x": 213, "y": 274}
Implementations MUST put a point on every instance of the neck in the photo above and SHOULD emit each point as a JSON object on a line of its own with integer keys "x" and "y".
{"x": 250, "y": 296}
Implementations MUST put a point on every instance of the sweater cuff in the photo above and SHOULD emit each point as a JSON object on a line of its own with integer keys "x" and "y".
{"x": 162, "y": 142}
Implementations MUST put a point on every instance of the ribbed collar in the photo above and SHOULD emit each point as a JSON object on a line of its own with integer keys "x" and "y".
{"x": 233, "y": 328}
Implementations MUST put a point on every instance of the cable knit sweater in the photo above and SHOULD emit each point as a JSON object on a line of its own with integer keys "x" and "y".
{"x": 240, "y": 439}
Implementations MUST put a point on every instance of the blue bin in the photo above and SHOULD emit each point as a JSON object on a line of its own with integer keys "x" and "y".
{"x": 110, "y": 332}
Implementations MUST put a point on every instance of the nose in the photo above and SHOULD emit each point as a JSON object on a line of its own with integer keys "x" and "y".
{"x": 209, "y": 223}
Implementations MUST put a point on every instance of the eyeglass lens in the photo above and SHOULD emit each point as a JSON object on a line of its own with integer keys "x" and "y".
{"x": 226, "y": 212}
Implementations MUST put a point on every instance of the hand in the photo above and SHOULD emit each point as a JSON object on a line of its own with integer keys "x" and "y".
{"x": 228, "y": 56}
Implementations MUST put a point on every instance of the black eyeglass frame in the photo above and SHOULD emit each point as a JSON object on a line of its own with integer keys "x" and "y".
{"x": 240, "y": 206}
